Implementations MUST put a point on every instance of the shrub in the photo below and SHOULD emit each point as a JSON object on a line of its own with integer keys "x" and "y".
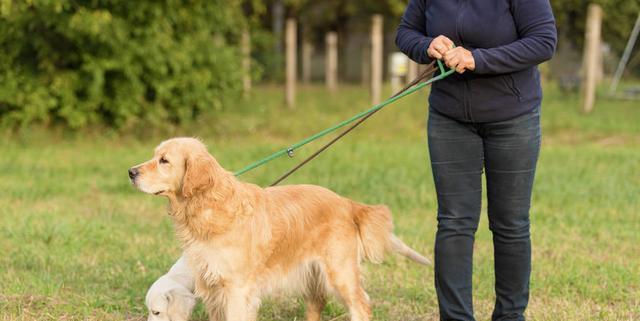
{"x": 116, "y": 62}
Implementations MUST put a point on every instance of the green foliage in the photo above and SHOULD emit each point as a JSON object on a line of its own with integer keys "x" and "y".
{"x": 618, "y": 20}
{"x": 116, "y": 62}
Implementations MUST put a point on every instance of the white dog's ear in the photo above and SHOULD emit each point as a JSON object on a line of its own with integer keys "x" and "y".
{"x": 180, "y": 304}
{"x": 200, "y": 172}
{"x": 168, "y": 296}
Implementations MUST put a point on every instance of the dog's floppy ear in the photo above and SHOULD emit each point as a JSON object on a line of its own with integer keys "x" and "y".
{"x": 200, "y": 171}
{"x": 181, "y": 304}
{"x": 168, "y": 296}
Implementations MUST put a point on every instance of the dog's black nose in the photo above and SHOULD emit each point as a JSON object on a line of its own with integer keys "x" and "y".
{"x": 133, "y": 172}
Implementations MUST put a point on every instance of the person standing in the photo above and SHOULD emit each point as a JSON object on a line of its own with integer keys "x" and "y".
{"x": 484, "y": 118}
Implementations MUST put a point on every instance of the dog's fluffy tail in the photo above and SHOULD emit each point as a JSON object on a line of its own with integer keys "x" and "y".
{"x": 376, "y": 234}
{"x": 405, "y": 250}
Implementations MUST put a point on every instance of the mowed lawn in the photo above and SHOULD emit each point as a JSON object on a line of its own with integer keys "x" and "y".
{"x": 78, "y": 242}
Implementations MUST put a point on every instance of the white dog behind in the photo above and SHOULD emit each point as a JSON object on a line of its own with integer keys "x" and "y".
{"x": 170, "y": 298}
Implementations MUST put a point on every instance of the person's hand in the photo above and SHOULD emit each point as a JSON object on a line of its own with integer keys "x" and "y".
{"x": 459, "y": 59}
{"x": 439, "y": 46}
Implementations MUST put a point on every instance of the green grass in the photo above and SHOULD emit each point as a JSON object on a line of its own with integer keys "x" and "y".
{"x": 77, "y": 242}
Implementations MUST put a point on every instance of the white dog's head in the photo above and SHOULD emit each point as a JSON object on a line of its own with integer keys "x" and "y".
{"x": 173, "y": 305}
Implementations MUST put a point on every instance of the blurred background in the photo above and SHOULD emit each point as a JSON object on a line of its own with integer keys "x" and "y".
{"x": 118, "y": 64}
{"x": 88, "y": 88}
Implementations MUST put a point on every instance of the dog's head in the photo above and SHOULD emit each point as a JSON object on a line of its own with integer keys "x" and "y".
{"x": 180, "y": 166}
{"x": 174, "y": 305}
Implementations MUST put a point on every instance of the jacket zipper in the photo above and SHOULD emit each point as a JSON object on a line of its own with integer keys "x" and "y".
{"x": 459, "y": 22}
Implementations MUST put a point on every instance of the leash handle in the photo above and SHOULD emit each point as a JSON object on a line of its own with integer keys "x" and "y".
{"x": 443, "y": 71}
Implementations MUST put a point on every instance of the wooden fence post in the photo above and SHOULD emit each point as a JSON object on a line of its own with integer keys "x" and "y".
{"x": 307, "y": 54}
{"x": 291, "y": 62}
{"x": 590, "y": 63}
{"x": 331, "y": 64}
{"x": 246, "y": 63}
{"x": 376, "y": 58}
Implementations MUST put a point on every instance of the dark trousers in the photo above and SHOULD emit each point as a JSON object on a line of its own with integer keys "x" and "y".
{"x": 508, "y": 152}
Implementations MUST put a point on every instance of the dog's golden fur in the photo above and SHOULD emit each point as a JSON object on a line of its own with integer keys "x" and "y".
{"x": 244, "y": 241}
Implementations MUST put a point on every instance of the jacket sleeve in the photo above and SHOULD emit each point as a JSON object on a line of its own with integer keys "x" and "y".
{"x": 411, "y": 36}
{"x": 538, "y": 37}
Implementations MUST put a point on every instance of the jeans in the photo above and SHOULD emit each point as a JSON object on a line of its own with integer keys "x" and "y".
{"x": 508, "y": 153}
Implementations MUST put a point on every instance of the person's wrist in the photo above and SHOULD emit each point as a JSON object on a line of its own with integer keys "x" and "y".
{"x": 472, "y": 61}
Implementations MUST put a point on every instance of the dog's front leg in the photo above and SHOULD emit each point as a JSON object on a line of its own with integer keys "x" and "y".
{"x": 242, "y": 304}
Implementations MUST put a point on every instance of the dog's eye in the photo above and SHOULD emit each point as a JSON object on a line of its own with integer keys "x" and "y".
{"x": 155, "y": 312}
{"x": 163, "y": 161}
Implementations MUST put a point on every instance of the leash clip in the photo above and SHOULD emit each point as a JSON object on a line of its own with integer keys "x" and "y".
{"x": 290, "y": 152}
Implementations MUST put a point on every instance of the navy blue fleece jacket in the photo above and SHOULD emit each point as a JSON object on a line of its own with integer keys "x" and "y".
{"x": 507, "y": 38}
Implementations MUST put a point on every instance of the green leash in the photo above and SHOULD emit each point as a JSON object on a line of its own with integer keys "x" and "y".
{"x": 403, "y": 93}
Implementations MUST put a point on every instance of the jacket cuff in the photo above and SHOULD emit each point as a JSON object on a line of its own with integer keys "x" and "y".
{"x": 424, "y": 57}
{"x": 479, "y": 61}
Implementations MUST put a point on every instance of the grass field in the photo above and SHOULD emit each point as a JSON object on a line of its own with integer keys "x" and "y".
{"x": 77, "y": 242}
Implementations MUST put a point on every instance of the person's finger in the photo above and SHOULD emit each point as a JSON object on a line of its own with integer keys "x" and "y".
{"x": 452, "y": 62}
{"x": 448, "y": 42}
{"x": 441, "y": 48}
{"x": 450, "y": 54}
{"x": 442, "y": 39}
{"x": 460, "y": 68}
{"x": 434, "y": 53}
{"x": 454, "y": 51}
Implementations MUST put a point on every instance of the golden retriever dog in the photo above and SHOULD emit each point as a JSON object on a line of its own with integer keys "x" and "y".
{"x": 243, "y": 241}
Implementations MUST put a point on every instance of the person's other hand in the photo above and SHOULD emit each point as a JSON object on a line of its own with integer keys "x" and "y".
{"x": 439, "y": 46}
{"x": 459, "y": 59}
